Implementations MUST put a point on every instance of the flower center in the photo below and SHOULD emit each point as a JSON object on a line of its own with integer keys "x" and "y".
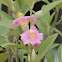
{"x": 31, "y": 32}
{"x": 32, "y": 35}
{"x": 20, "y": 15}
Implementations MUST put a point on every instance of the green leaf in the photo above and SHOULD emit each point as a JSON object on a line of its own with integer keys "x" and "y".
{"x": 15, "y": 33}
{"x": 59, "y": 53}
{"x": 46, "y": 1}
{"x": 21, "y": 54}
{"x": 20, "y": 3}
{"x": 60, "y": 5}
{"x": 3, "y": 57}
{"x": 50, "y": 56}
{"x": 7, "y": 2}
{"x": 15, "y": 45}
{"x": 29, "y": 2}
{"x": 55, "y": 45}
{"x": 49, "y": 6}
{"x": 54, "y": 0}
{"x": 5, "y": 16}
{"x": 3, "y": 30}
{"x": 46, "y": 17}
{"x": 7, "y": 23}
{"x": 42, "y": 26}
{"x": 42, "y": 23}
{"x": 2, "y": 41}
{"x": 45, "y": 47}
{"x": 25, "y": 8}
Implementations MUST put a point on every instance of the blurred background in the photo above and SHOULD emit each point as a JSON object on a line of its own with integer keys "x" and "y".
{"x": 36, "y": 8}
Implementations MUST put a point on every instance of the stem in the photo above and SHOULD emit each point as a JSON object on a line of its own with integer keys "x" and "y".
{"x": 58, "y": 22}
{"x": 17, "y": 60}
{"x": 10, "y": 58}
{"x": 59, "y": 32}
{"x": 29, "y": 54}
{"x": 16, "y": 5}
{"x": 55, "y": 20}
{"x": 12, "y": 51}
{"x": 31, "y": 13}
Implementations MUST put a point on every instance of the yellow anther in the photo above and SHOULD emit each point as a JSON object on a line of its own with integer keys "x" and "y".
{"x": 32, "y": 31}
{"x": 20, "y": 15}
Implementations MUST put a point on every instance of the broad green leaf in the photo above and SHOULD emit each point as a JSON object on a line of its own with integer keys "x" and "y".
{"x": 21, "y": 54}
{"x": 29, "y": 2}
{"x": 3, "y": 30}
{"x": 45, "y": 47}
{"x": 55, "y": 45}
{"x": 46, "y": 1}
{"x": 7, "y": 2}
{"x": 59, "y": 53}
{"x": 15, "y": 33}
{"x": 20, "y": 51}
{"x": 25, "y": 8}
{"x": 60, "y": 5}
{"x": 50, "y": 56}
{"x": 42, "y": 26}
{"x": 3, "y": 56}
{"x": 49, "y": 6}
{"x": 5, "y": 16}
{"x": 20, "y": 3}
{"x": 15, "y": 45}
{"x": 54, "y": 0}
{"x": 46, "y": 17}
{"x": 7, "y": 23}
{"x": 37, "y": 47}
{"x": 2, "y": 41}
{"x": 42, "y": 23}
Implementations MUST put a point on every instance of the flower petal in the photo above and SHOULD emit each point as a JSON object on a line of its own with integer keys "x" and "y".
{"x": 35, "y": 43}
{"x": 28, "y": 18}
{"x": 26, "y": 33}
{"x": 34, "y": 28}
{"x": 25, "y": 40}
{"x": 40, "y": 36}
{"x": 16, "y": 21}
{"x": 24, "y": 37}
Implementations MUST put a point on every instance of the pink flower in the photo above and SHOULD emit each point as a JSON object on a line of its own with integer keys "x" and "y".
{"x": 32, "y": 36}
{"x": 22, "y": 21}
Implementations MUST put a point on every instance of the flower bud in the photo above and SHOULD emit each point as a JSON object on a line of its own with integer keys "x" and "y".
{"x": 28, "y": 57}
{"x": 38, "y": 14}
{"x": 33, "y": 55}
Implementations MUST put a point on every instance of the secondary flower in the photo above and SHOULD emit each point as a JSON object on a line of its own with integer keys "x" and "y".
{"x": 32, "y": 36}
{"x": 22, "y": 20}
